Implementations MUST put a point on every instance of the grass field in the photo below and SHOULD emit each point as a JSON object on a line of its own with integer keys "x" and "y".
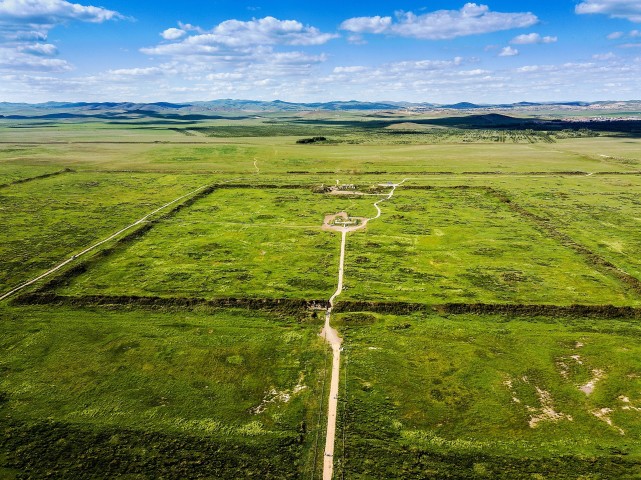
{"x": 97, "y": 378}
{"x": 231, "y": 383}
{"x": 108, "y": 147}
{"x": 490, "y": 397}
{"x": 603, "y": 214}
{"x": 464, "y": 246}
{"x": 233, "y": 243}
{"x": 12, "y": 173}
{"x": 48, "y": 220}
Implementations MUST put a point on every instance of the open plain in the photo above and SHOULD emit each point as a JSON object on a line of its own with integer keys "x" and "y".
{"x": 483, "y": 281}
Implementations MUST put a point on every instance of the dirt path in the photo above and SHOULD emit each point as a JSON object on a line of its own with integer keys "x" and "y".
{"x": 331, "y": 335}
{"x": 89, "y": 249}
{"x": 256, "y": 166}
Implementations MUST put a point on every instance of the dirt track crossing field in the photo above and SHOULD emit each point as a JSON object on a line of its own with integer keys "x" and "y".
{"x": 331, "y": 335}
{"x": 96, "y": 245}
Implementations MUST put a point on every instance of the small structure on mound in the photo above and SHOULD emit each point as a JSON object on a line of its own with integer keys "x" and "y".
{"x": 342, "y": 222}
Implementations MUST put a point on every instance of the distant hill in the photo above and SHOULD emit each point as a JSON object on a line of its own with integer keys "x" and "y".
{"x": 223, "y": 108}
{"x": 463, "y": 106}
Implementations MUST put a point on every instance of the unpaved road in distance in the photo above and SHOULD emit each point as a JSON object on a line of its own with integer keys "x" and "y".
{"x": 89, "y": 249}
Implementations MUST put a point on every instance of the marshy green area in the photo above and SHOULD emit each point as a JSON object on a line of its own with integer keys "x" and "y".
{"x": 128, "y": 361}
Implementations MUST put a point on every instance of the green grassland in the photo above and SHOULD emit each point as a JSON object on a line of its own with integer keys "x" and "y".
{"x": 14, "y": 173}
{"x": 490, "y": 397}
{"x": 351, "y": 148}
{"x": 464, "y": 246}
{"x": 263, "y": 243}
{"x": 192, "y": 391}
{"x": 281, "y": 155}
{"x": 46, "y": 221}
{"x": 604, "y": 214}
{"x": 227, "y": 394}
{"x": 601, "y": 212}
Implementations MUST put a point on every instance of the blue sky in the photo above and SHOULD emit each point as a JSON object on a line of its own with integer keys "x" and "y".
{"x": 429, "y": 51}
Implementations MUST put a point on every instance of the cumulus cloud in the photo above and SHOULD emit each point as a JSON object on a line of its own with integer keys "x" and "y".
{"x": 25, "y": 25}
{"x": 375, "y": 24}
{"x": 244, "y": 48}
{"x": 508, "y": 52}
{"x": 268, "y": 31}
{"x": 29, "y": 20}
{"x": 14, "y": 59}
{"x": 532, "y": 38}
{"x": 472, "y": 19}
{"x": 628, "y": 9}
{"x": 173, "y": 33}
{"x": 40, "y": 49}
{"x": 51, "y": 12}
{"x": 239, "y": 34}
{"x": 615, "y": 35}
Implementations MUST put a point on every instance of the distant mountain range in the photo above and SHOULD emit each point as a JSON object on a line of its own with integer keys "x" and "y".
{"x": 213, "y": 109}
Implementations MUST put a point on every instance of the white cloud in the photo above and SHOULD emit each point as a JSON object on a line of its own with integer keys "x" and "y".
{"x": 630, "y": 45}
{"x": 51, "y": 12}
{"x": 427, "y": 64}
{"x": 508, "y": 52}
{"x": 375, "y": 24}
{"x": 472, "y": 19}
{"x": 604, "y": 56}
{"x": 136, "y": 72}
{"x": 40, "y": 49}
{"x": 253, "y": 49}
{"x": 233, "y": 38}
{"x": 429, "y": 80}
{"x": 173, "y": 34}
{"x": 528, "y": 69}
{"x": 224, "y": 76}
{"x": 295, "y": 58}
{"x": 532, "y": 38}
{"x": 13, "y": 59}
{"x": 25, "y": 25}
{"x": 476, "y": 71}
{"x": 188, "y": 27}
{"x": 267, "y": 31}
{"x": 352, "y": 69}
{"x": 628, "y": 9}
{"x": 619, "y": 35}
